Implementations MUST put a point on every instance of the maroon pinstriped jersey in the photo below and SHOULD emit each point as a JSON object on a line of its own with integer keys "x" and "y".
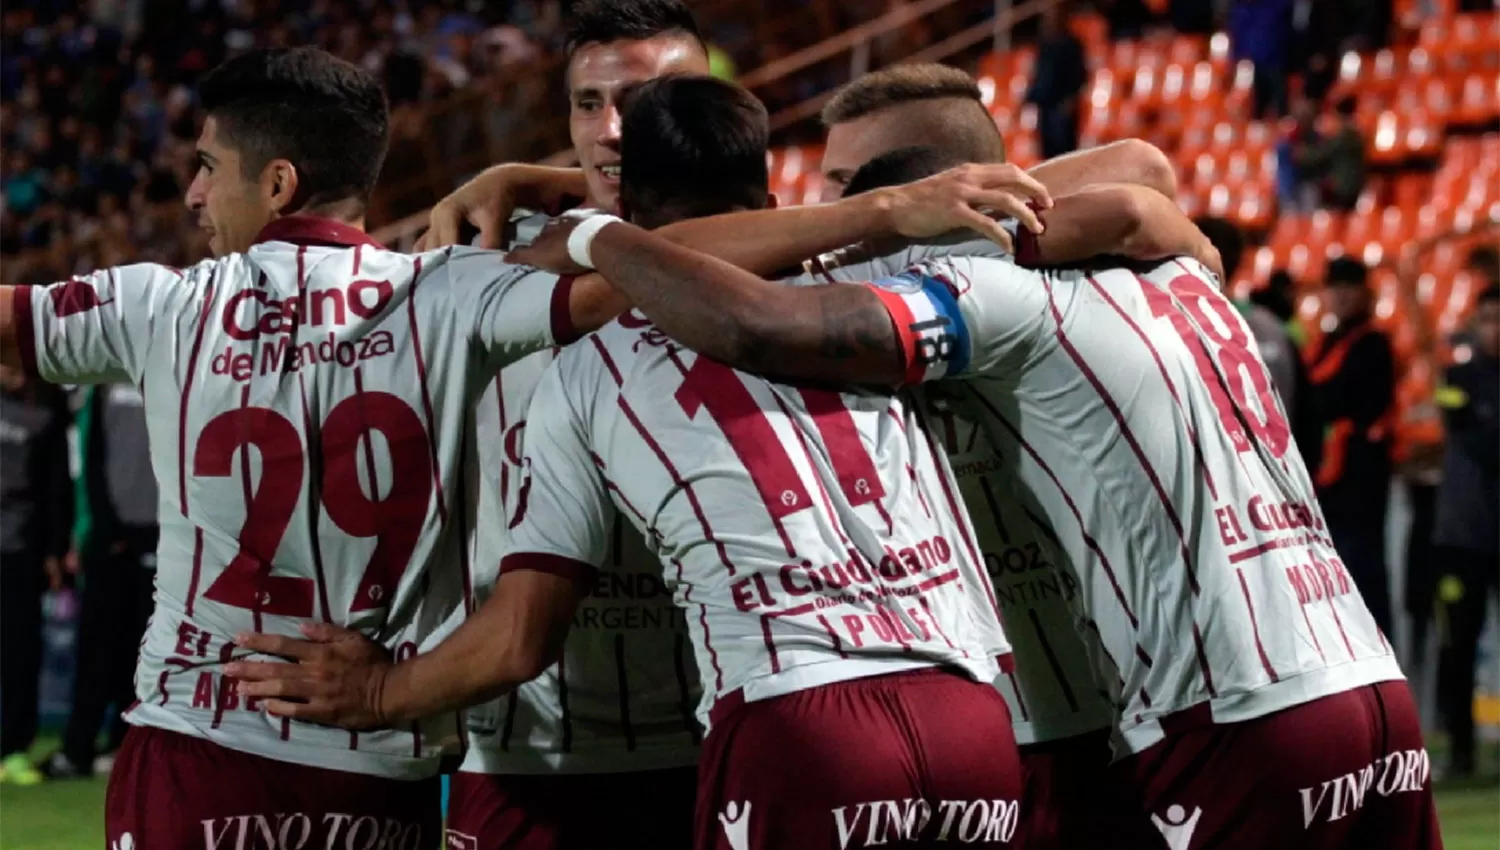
{"x": 1133, "y": 408}
{"x": 809, "y": 536}
{"x": 309, "y": 405}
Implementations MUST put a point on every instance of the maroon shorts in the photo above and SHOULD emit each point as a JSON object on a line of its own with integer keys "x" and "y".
{"x": 1073, "y": 801}
{"x": 1343, "y": 772}
{"x": 652, "y": 808}
{"x": 169, "y": 791}
{"x": 891, "y": 761}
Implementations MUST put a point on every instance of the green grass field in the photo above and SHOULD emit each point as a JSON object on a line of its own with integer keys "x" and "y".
{"x": 70, "y": 816}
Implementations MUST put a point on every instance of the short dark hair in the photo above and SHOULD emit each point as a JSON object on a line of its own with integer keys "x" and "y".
{"x": 902, "y": 165}
{"x": 1226, "y": 239}
{"x": 322, "y": 114}
{"x": 691, "y": 146}
{"x": 1347, "y": 271}
{"x": 604, "y": 21}
{"x": 967, "y": 132}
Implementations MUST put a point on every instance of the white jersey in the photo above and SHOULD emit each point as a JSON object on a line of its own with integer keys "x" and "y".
{"x": 1054, "y": 690}
{"x": 1141, "y": 419}
{"x": 309, "y": 408}
{"x": 625, "y": 694}
{"x": 810, "y": 536}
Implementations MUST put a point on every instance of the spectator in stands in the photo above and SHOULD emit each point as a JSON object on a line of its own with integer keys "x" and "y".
{"x": 35, "y": 512}
{"x": 116, "y": 542}
{"x": 1352, "y": 371}
{"x": 1317, "y": 42}
{"x": 1335, "y": 164}
{"x": 1468, "y": 521}
{"x": 1061, "y": 73}
{"x": 1260, "y": 31}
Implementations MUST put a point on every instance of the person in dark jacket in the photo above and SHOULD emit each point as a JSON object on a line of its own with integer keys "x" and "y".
{"x": 1468, "y": 522}
{"x": 1061, "y": 73}
{"x": 116, "y": 548}
{"x": 35, "y": 519}
{"x": 1353, "y": 388}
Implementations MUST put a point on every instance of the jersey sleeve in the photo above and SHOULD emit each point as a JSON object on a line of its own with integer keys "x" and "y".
{"x": 964, "y": 316}
{"x": 512, "y": 310}
{"x": 866, "y": 262}
{"x": 563, "y": 513}
{"x": 95, "y": 328}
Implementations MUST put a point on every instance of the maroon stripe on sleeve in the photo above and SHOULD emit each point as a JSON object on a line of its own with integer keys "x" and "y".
{"x": 1265, "y": 660}
{"x": 543, "y": 562}
{"x": 25, "y": 327}
{"x": 1161, "y": 367}
{"x": 1015, "y": 688}
{"x": 1083, "y": 530}
{"x": 1125, "y": 431}
{"x": 416, "y": 347}
{"x": 187, "y": 390}
{"x": 563, "y": 330}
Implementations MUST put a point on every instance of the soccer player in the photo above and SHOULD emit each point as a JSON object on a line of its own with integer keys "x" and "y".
{"x": 613, "y": 721}
{"x": 812, "y": 541}
{"x": 1136, "y": 415}
{"x": 307, "y": 395}
{"x": 942, "y": 107}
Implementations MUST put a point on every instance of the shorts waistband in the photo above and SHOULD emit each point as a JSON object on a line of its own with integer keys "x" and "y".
{"x": 727, "y": 704}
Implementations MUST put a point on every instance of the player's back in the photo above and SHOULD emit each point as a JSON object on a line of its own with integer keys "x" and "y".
{"x": 1147, "y": 425}
{"x": 812, "y": 536}
{"x": 309, "y": 407}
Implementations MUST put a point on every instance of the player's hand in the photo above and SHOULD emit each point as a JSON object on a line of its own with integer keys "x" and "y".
{"x": 969, "y": 196}
{"x": 488, "y": 200}
{"x": 549, "y": 250}
{"x": 335, "y": 676}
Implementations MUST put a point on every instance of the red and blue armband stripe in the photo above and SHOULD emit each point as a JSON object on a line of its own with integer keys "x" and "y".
{"x": 934, "y": 338}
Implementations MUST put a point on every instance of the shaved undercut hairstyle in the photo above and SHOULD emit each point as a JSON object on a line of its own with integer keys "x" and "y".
{"x": 943, "y": 107}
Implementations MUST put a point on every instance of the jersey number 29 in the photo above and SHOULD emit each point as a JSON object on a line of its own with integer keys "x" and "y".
{"x": 395, "y": 521}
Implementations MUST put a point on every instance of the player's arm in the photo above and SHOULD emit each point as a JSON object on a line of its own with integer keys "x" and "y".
{"x": 342, "y": 678}
{"x": 93, "y": 328}
{"x": 949, "y": 316}
{"x": 767, "y": 241}
{"x": 489, "y": 198}
{"x": 1132, "y": 161}
{"x": 1116, "y": 218}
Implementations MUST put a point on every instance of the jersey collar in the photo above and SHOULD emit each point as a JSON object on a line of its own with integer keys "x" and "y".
{"x": 311, "y": 230}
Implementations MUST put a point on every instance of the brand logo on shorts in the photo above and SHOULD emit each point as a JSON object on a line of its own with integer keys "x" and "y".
{"x": 125, "y": 842}
{"x": 1178, "y": 826}
{"x": 736, "y": 821}
{"x": 1400, "y": 772}
{"x": 872, "y": 824}
{"x": 459, "y": 841}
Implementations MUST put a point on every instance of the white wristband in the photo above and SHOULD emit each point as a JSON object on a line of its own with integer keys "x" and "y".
{"x": 581, "y": 240}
